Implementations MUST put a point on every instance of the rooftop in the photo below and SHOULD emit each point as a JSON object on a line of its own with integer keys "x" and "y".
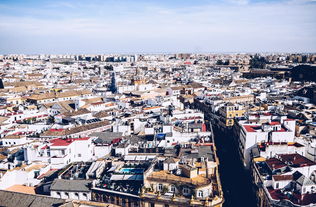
{"x": 66, "y": 142}
{"x": 22, "y": 189}
{"x": 296, "y": 160}
{"x": 14, "y": 199}
{"x": 295, "y": 198}
{"x": 71, "y": 185}
{"x": 168, "y": 177}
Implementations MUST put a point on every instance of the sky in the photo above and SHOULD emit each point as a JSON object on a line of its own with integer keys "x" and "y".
{"x": 156, "y": 26}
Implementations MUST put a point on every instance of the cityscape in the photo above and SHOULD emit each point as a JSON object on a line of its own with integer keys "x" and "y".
{"x": 157, "y": 103}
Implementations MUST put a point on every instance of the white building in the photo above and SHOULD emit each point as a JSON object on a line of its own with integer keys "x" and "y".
{"x": 11, "y": 140}
{"x": 71, "y": 189}
{"x": 60, "y": 152}
{"x": 254, "y": 132}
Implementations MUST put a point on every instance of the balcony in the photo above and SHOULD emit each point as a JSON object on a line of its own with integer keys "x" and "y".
{"x": 57, "y": 160}
{"x": 182, "y": 201}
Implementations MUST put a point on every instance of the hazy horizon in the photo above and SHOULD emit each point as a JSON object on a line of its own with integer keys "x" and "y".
{"x": 162, "y": 53}
{"x": 155, "y": 27}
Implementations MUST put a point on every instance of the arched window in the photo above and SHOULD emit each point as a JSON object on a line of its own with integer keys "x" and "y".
{"x": 200, "y": 194}
{"x": 58, "y": 194}
{"x": 160, "y": 187}
{"x": 67, "y": 194}
{"x": 172, "y": 188}
{"x": 85, "y": 196}
{"x": 96, "y": 196}
{"x": 76, "y": 196}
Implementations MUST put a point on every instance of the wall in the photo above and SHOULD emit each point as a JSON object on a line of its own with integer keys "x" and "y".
{"x": 101, "y": 151}
{"x": 86, "y": 196}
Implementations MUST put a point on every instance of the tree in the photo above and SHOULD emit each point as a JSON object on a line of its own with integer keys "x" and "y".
{"x": 258, "y": 62}
{"x": 304, "y": 59}
{"x": 219, "y": 62}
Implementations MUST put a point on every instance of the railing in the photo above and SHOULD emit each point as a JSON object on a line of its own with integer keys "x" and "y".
{"x": 183, "y": 201}
{"x": 57, "y": 160}
{"x": 167, "y": 178}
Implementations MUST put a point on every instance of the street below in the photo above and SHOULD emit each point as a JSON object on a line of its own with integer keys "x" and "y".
{"x": 236, "y": 181}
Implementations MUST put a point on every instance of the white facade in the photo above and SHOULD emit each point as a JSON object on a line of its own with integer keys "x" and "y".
{"x": 85, "y": 196}
{"x": 252, "y": 134}
{"x": 14, "y": 141}
{"x": 60, "y": 152}
{"x": 23, "y": 176}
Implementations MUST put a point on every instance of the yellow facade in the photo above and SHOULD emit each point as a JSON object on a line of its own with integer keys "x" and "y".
{"x": 229, "y": 113}
{"x": 15, "y": 100}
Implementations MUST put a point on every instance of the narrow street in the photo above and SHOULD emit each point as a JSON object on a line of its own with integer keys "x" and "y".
{"x": 236, "y": 181}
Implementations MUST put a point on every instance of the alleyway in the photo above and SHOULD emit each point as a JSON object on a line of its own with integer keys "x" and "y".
{"x": 236, "y": 181}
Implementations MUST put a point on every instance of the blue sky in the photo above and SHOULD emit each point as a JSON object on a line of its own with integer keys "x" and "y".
{"x": 156, "y": 26}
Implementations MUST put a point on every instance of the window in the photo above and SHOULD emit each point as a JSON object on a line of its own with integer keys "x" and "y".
{"x": 186, "y": 190}
{"x": 58, "y": 194}
{"x": 172, "y": 188}
{"x": 67, "y": 195}
{"x": 152, "y": 205}
{"x": 277, "y": 185}
{"x": 36, "y": 173}
{"x": 85, "y": 196}
{"x": 200, "y": 194}
{"x": 76, "y": 196}
{"x": 159, "y": 187}
{"x": 79, "y": 155}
